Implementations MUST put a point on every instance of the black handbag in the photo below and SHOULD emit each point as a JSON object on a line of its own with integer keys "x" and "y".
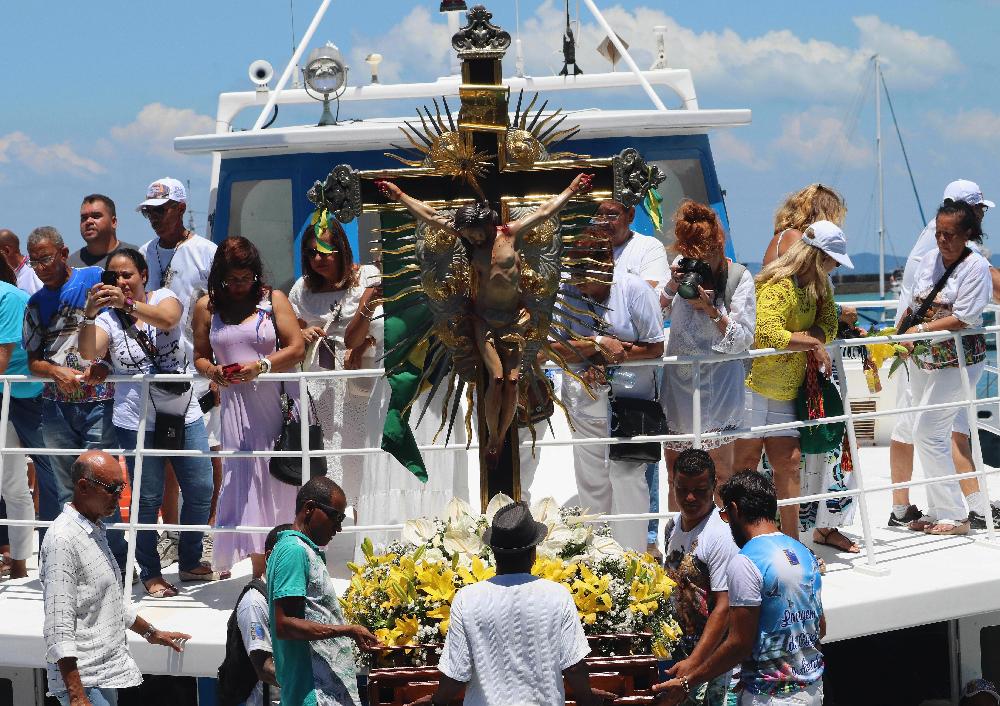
{"x": 633, "y": 416}
{"x": 288, "y": 469}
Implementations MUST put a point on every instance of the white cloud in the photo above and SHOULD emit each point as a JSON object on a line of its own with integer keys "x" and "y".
{"x": 17, "y": 148}
{"x": 777, "y": 63}
{"x": 815, "y": 138}
{"x": 726, "y": 146}
{"x": 155, "y": 127}
{"x": 978, "y": 125}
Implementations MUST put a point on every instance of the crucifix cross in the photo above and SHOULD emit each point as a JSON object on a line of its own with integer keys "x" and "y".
{"x": 483, "y": 155}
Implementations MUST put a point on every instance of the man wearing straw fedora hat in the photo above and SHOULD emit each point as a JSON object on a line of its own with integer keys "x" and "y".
{"x": 514, "y": 638}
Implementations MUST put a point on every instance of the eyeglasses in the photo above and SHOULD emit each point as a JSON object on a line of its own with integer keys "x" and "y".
{"x": 113, "y": 489}
{"x": 239, "y": 281}
{"x": 149, "y": 211}
{"x": 313, "y": 252}
{"x": 336, "y": 516}
{"x": 611, "y": 217}
{"x": 41, "y": 262}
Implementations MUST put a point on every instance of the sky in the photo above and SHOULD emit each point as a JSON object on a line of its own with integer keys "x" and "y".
{"x": 96, "y": 105}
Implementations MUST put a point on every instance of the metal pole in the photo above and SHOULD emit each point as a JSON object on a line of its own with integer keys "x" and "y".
{"x": 4, "y": 418}
{"x": 133, "y": 512}
{"x": 866, "y": 524}
{"x": 881, "y": 189}
{"x": 977, "y": 449}
{"x": 304, "y": 431}
{"x": 625, "y": 55}
{"x": 696, "y": 405}
{"x": 292, "y": 65}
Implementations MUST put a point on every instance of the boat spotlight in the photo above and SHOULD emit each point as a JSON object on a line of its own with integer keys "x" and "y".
{"x": 325, "y": 74}
{"x": 453, "y": 6}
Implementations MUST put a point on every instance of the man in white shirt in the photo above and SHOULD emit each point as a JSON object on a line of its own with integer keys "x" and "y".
{"x": 180, "y": 260}
{"x": 698, "y": 547}
{"x": 514, "y": 638}
{"x": 85, "y": 612}
{"x": 10, "y": 248}
{"x": 901, "y": 453}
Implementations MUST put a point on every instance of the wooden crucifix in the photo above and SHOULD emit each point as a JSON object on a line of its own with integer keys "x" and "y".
{"x": 484, "y": 156}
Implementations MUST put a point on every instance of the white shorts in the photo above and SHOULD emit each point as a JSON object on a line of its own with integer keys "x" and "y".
{"x": 763, "y": 410}
{"x": 213, "y": 425}
{"x": 904, "y": 400}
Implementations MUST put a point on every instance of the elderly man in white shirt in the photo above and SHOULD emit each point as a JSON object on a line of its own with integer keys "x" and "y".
{"x": 514, "y": 638}
{"x": 85, "y": 612}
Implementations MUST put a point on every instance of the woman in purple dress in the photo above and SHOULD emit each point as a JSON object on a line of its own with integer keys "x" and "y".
{"x": 242, "y": 329}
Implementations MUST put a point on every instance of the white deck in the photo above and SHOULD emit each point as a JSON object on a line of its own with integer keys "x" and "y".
{"x": 930, "y": 579}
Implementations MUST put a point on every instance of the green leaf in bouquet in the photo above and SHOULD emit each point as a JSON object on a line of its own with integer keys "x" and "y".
{"x": 895, "y": 365}
{"x": 367, "y": 548}
{"x": 419, "y": 553}
{"x": 633, "y": 566}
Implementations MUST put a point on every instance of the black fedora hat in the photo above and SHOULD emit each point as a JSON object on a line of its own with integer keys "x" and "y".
{"x": 514, "y": 530}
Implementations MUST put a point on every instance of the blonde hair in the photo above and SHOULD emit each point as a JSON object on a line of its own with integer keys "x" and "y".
{"x": 698, "y": 230}
{"x": 805, "y": 262}
{"x": 806, "y": 206}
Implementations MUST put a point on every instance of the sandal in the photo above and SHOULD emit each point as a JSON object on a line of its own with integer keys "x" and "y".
{"x": 922, "y": 524}
{"x": 168, "y": 590}
{"x": 948, "y": 527}
{"x": 845, "y": 544}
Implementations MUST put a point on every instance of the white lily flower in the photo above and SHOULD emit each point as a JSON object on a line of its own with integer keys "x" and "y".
{"x": 462, "y": 542}
{"x": 546, "y": 511}
{"x": 498, "y": 501}
{"x": 458, "y": 513}
{"x": 604, "y": 547}
{"x": 419, "y": 531}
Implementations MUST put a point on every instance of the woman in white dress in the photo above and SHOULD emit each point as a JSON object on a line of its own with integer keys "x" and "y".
{"x": 390, "y": 494}
{"x": 720, "y": 319}
{"x": 325, "y": 299}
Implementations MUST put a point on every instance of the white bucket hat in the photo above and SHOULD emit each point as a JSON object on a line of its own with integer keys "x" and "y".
{"x": 968, "y": 191}
{"x": 829, "y": 238}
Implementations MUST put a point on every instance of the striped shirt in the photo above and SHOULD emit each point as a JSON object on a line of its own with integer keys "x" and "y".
{"x": 85, "y": 614}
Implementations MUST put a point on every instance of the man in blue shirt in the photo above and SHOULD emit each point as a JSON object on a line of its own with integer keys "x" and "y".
{"x": 76, "y": 405}
{"x": 776, "y": 617}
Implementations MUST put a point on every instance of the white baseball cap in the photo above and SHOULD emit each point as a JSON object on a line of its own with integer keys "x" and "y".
{"x": 163, "y": 190}
{"x": 968, "y": 191}
{"x": 981, "y": 686}
{"x": 829, "y": 238}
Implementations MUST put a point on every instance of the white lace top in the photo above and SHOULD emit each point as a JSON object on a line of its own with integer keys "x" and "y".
{"x": 722, "y": 389}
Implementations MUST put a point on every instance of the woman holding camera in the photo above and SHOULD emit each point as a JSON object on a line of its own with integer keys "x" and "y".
{"x": 139, "y": 332}
{"x": 950, "y": 291}
{"x": 715, "y": 316}
{"x": 243, "y": 329}
{"x": 325, "y": 299}
{"x": 795, "y": 311}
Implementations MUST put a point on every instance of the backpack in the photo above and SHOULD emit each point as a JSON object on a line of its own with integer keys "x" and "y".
{"x": 237, "y": 676}
{"x": 733, "y": 276}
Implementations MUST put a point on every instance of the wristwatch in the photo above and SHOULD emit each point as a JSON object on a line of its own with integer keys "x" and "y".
{"x": 718, "y": 318}
{"x": 129, "y": 306}
{"x": 150, "y": 631}
{"x": 263, "y": 366}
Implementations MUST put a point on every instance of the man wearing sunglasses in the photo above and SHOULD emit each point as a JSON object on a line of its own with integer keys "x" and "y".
{"x": 776, "y": 619}
{"x": 312, "y": 647}
{"x": 85, "y": 613}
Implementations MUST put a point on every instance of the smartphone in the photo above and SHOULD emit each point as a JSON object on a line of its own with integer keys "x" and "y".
{"x": 229, "y": 370}
{"x": 109, "y": 278}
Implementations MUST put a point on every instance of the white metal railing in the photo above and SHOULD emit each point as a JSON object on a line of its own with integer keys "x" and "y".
{"x": 697, "y": 437}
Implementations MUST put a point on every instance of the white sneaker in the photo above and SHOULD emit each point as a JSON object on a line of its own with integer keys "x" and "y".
{"x": 166, "y": 547}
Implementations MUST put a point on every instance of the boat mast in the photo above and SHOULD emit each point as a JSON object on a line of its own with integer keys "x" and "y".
{"x": 881, "y": 189}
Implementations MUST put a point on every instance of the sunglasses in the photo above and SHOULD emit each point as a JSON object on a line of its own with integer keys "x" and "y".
{"x": 313, "y": 252}
{"x": 148, "y": 211}
{"x": 111, "y": 488}
{"x": 335, "y": 515}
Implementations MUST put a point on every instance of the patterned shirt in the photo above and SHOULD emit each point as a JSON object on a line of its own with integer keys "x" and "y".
{"x": 52, "y": 331}
{"x": 85, "y": 614}
{"x": 318, "y": 672}
{"x": 780, "y": 575}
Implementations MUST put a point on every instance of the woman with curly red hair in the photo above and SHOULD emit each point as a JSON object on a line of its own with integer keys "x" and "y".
{"x": 719, "y": 319}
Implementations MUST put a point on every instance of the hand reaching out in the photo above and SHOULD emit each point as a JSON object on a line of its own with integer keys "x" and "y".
{"x": 389, "y": 190}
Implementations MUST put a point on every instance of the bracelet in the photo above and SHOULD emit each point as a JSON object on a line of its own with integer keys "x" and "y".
{"x": 150, "y": 631}
{"x": 129, "y": 305}
{"x": 263, "y": 366}
{"x": 718, "y": 318}
{"x": 921, "y": 328}
{"x": 686, "y": 685}
{"x": 89, "y": 319}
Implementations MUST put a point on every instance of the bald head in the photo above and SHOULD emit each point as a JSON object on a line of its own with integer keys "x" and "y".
{"x": 96, "y": 464}
{"x": 10, "y": 247}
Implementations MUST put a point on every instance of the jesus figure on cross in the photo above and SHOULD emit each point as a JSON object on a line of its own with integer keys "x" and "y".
{"x": 498, "y": 312}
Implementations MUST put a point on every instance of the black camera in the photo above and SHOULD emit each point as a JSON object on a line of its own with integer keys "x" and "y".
{"x": 693, "y": 273}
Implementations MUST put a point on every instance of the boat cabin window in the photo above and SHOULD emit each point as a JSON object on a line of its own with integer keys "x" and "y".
{"x": 685, "y": 180}
{"x": 261, "y": 211}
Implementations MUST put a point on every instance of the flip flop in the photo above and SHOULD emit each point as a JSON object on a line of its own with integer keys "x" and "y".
{"x": 853, "y": 547}
{"x": 167, "y": 591}
{"x": 942, "y": 528}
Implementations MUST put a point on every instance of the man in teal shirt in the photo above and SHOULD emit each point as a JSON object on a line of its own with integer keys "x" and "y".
{"x": 313, "y": 650}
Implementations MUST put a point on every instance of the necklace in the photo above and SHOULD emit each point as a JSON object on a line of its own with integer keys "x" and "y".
{"x": 165, "y": 271}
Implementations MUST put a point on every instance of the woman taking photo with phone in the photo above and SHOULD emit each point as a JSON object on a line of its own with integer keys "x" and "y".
{"x": 243, "y": 329}
{"x": 719, "y": 319}
{"x": 325, "y": 299}
{"x": 138, "y": 331}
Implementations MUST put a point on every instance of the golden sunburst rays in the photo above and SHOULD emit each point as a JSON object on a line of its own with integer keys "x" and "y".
{"x": 544, "y": 130}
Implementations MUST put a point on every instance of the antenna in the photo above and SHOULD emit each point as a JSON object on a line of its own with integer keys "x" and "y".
{"x": 296, "y": 77}
{"x": 660, "y": 32}
{"x": 190, "y": 224}
{"x": 569, "y": 49}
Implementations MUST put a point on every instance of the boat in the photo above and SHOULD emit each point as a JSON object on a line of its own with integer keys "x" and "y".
{"x": 904, "y": 589}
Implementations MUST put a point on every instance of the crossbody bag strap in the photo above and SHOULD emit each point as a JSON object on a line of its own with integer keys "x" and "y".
{"x": 929, "y": 300}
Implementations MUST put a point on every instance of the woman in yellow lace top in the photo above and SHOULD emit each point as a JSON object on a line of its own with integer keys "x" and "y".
{"x": 795, "y": 311}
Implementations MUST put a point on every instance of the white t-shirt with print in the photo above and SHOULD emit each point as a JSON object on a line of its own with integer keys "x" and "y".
{"x": 129, "y": 358}
{"x": 643, "y": 255}
{"x": 252, "y": 619}
{"x": 184, "y": 270}
{"x": 510, "y": 639}
{"x": 713, "y": 546}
